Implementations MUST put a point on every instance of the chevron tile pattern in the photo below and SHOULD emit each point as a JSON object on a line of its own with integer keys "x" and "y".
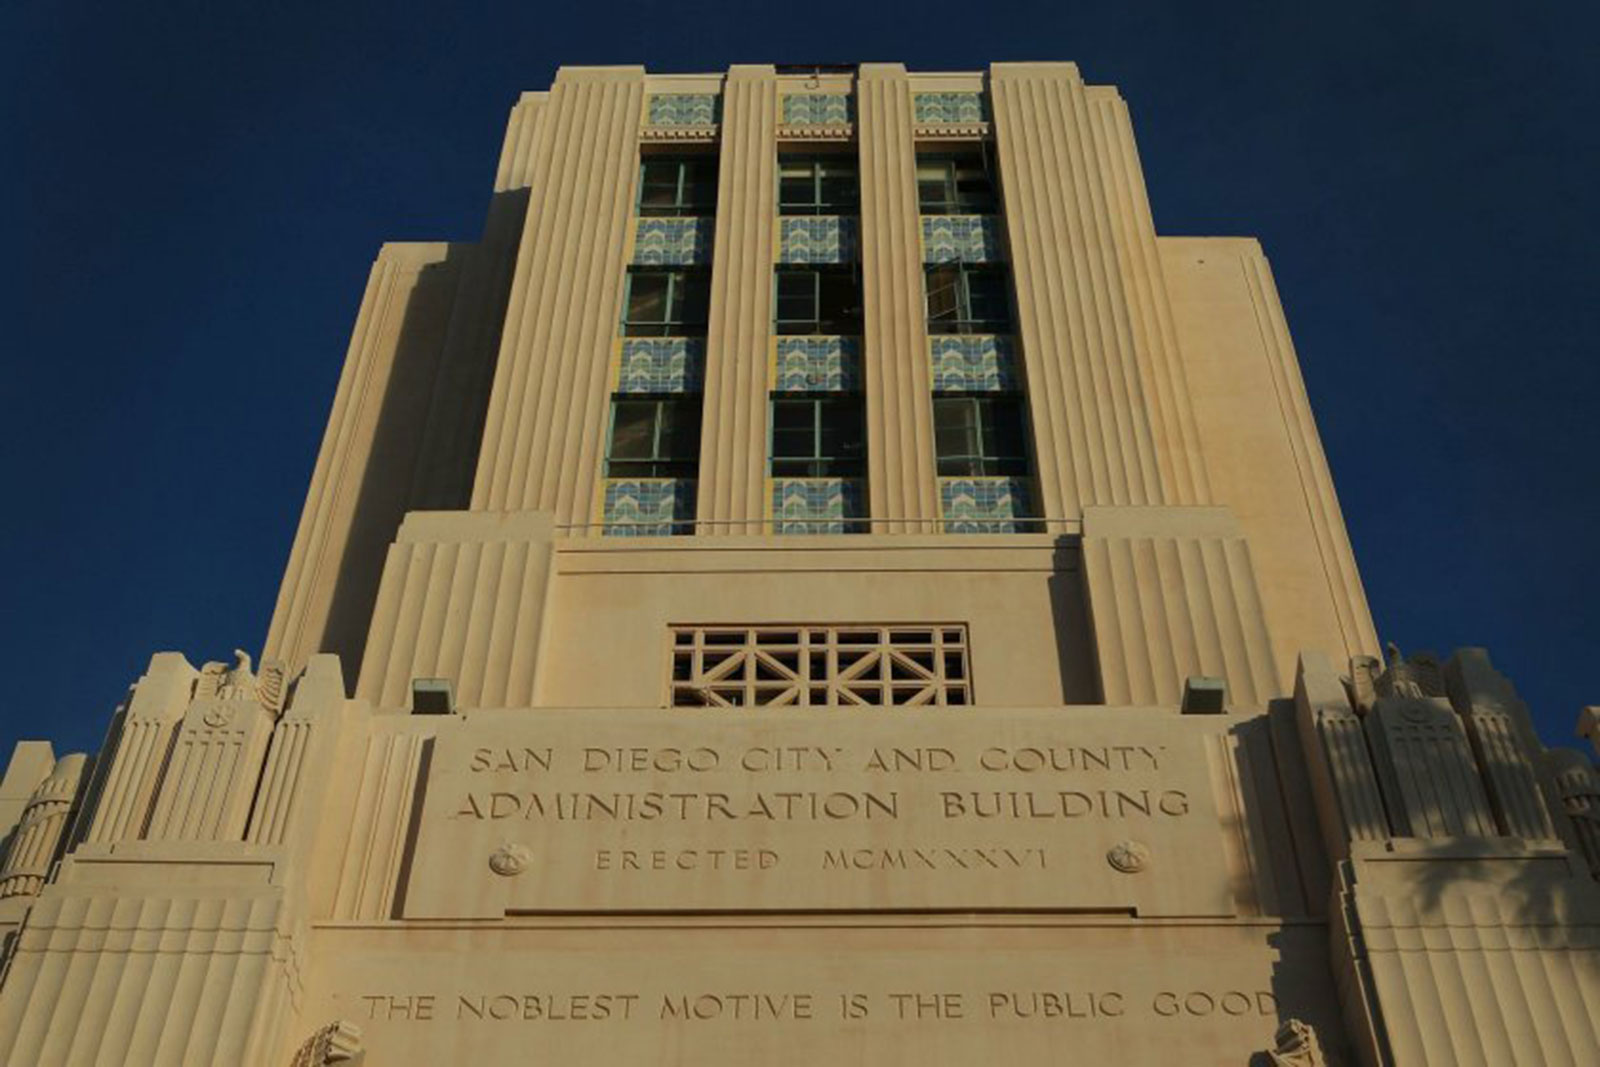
{"x": 985, "y": 505}
{"x": 683, "y": 109}
{"x": 662, "y": 365}
{"x": 648, "y": 507}
{"x": 933, "y": 108}
{"x": 817, "y": 239}
{"x": 816, "y": 505}
{"x": 816, "y": 109}
{"x": 961, "y": 239}
{"x": 672, "y": 242}
{"x": 818, "y": 365}
{"x": 974, "y": 363}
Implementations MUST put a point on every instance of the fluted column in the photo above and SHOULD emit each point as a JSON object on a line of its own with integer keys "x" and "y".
{"x": 1091, "y": 420}
{"x": 734, "y": 434}
{"x": 545, "y": 429}
{"x": 1155, "y": 339}
{"x": 901, "y": 482}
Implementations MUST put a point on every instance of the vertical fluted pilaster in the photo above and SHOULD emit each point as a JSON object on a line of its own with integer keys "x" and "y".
{"x": 300, "y": 760}
{"x": 211, "y": 776}
{"x": 734, "y": 435}
{"x": 126, "y": 788}
{"x": 1091, "y": 420}
{"x": 1343, "y": 781}
{"x": 901, "y": 484}
{"x": 516, "y": 151}
{"x": 1172, "y": 593}
{"x": 544, "y": 433}
{"x": 1155, "y": 338}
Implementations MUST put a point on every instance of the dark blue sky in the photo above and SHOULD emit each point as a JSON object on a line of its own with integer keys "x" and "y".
{"x": 194, "y": 194}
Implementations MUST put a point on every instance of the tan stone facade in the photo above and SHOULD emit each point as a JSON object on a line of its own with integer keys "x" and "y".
{"x": 821, "y": 580}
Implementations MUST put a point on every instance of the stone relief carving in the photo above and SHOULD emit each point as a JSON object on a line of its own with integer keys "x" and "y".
{"x": 337, "y": 1043}
{"x": 239, "y": 681}
{"x": 510, "y": 859}
{"x": 1578, "y": 785}
{"x": 1129, "y": 857}
{"x": 1418, "y": 676}
{"x": 1296, "y": 1045}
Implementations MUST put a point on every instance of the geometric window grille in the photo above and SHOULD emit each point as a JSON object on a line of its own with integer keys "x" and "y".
{"x": 820, "y": 666}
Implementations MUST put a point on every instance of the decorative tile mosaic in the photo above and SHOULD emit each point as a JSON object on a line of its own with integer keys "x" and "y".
{"x": 684, "y": 109}
{"x": 817, "y": 365}
{"x": 816, "y": 505}
{"x": 816, "y": 109}
{"x": 961, "y": 239}
{"x": 816, "y": 239}
{"x": 985, "y": 505}
{"x": 662, "y": 365}
{"x": 671, "y": 242}
{"x": 950, "y": 107}
{"x": 974, "y": 363}
{"x": 648, "y": 507}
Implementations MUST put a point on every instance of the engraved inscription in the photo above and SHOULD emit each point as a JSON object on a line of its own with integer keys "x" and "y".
{"x": 619, "y": 810}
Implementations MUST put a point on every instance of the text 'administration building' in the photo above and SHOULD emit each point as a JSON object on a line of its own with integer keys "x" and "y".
{"x": 820, "y": 581}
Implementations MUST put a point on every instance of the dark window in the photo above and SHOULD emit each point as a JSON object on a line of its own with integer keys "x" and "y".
{"x": 667, "y": 303}
{"x": 956, "y": 185}
{"x": 965, "y": 299}
{"x": 817, "y": 185}
{"x": 979, "y": 435}
{"x": 676, "y": 187}
{"x": 654, "y": 437}
{"x": 817, "y": 437}
{"x": 818, "y": 301}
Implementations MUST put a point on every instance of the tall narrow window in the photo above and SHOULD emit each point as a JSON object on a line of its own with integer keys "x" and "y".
{"x": 817, "y": 437}
{"x": 968, "y": 299}
{"x": 818, "y": 185}
{"x": 961, "y": 184}
{"x": 667, "y": 303}
{"x": 678, "y": 187}
{"x": 654, "y": 437}
{"x": 979, "y": 436}
{"x": 818, "y": 301}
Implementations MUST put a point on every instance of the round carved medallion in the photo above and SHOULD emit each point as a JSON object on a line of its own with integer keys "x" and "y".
{"x": 217, "y": 717}
{"x": 1129, "y": 857}
{"x": 510, "y": 859}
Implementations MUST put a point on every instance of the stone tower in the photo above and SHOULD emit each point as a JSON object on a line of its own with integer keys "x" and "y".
{"x": 820, "y": 580}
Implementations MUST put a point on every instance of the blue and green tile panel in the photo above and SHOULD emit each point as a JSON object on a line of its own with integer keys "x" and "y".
{"x": 974, "y": 363}
{"x": 961, "y": 239}
{"x": 817, "y": 505}
{"x": 816, "y": 109}
{"x": 817, "y": 365}
{"x": 985, "y": 505}
{"x": 648, "y": 507}
{"x": 662, "y": 365}
{"x": 683, "y": 109}
{"x": 816, "y": 239}
{"x": 672, "y": 242}
{"x": 950, "y": 107}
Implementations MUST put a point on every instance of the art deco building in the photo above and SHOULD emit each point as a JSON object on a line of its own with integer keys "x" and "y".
{"x": 820, "y": 580}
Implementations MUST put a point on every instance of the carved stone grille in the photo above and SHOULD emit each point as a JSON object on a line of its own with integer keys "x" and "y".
{"x": 820, "y": 666}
